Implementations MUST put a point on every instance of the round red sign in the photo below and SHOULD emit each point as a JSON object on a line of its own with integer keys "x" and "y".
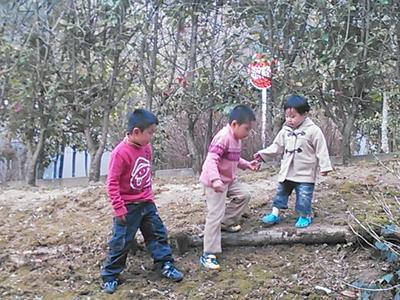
{"x": 260, "y": 74}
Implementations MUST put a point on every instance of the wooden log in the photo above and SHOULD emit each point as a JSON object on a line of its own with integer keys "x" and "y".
{"x": 322, "y": 234}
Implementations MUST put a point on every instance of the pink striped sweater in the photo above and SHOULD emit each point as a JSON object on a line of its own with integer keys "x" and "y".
{"x": 223, "y": 158}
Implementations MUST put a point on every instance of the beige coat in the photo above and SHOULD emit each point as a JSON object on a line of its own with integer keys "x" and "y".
{"x": 303, "y": 148}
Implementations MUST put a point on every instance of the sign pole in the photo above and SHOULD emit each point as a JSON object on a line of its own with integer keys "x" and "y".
{"x": 264, "y": 100}
{"x": 261, "y": 78}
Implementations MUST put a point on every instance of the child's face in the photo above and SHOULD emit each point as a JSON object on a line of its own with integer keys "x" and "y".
{"x": 140, "y": 137}
{"x": 241, "y": 131}
{"x": 293, "y": 118}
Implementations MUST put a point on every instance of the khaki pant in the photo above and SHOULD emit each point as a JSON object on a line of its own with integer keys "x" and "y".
{"x": 223, "y": 208}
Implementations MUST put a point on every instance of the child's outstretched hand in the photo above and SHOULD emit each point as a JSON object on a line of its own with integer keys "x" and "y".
{"x": 258, "y": 157}
{"x": 255, "y": 165}
{"x": 218, "y": 186}
{"x": 324, "y": 173}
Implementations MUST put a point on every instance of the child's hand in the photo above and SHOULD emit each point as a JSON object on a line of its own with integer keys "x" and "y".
{"x": 218, "y": 186}
{"x": 324, "y": 173}
{"x": 254, "y": 165}
{"x": 122, "y": 219}
{"x": 258, "y": 157}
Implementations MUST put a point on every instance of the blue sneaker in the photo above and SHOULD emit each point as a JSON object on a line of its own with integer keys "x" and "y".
{"x": 303, "y": 222}
{"x": 170, "y": 272}
{"x": 209, "y": 261}
{"x": 109, "y": 287}
{"x": 271, "y": 219}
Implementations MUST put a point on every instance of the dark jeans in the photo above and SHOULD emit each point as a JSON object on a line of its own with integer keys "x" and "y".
{"x": 143, "y": 216}
{"x": 304, "y": 195}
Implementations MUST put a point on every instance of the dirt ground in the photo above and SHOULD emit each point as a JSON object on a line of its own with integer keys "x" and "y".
{"x": 53, "y": 242}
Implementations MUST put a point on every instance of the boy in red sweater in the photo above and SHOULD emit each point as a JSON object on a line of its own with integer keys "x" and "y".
{"x": 129, "y": 187}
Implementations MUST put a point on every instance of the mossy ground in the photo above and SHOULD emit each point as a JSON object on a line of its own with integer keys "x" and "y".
{"x": 54, "y": 241}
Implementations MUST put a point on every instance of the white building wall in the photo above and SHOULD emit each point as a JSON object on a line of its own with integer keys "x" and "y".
{"x": 80, "y": 170}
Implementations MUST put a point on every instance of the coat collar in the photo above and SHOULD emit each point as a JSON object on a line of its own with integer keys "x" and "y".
{"x": 299, "y": 130}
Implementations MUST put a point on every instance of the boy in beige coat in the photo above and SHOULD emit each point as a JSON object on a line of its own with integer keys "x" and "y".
{"x": 304, "y": 149}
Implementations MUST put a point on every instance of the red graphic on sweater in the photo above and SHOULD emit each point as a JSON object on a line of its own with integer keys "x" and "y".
{"x": 141, "y": 174}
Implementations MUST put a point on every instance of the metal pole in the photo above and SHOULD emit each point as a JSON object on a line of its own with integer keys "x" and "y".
{"x": 264, "y": 100}
{"x": 384, "y": 124}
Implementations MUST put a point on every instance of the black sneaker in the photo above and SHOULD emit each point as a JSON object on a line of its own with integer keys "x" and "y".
{"x": 169, "y": 271}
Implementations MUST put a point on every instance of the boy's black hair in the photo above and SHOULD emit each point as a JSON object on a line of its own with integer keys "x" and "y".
{"x": 297, "y": 102}
{"x": 242, "y": 114}
{"x": 141, "y": 119}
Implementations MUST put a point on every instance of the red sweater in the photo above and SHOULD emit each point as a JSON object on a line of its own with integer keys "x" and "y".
{"x": 129, "y": 176}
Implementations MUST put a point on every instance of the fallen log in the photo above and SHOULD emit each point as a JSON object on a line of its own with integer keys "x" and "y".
{"x": 322, "y": 234}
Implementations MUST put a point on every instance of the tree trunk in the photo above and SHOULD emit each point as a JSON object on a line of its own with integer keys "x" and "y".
{"x": 95, "y": 165}
{"x": 31, "y": 169}
{"x": 33, "y": 157}
{"x": 96, "y": 147}
{"x": 209, "y": 129}
{"x": 73, "y": 160}
{"x": 61, "y": 167}
{"x": 385, "y": 113}
{"x": 209, "y": 132}
{"x": 40, "y": 168}
{"x": 153, "y": 57}
{"x": 86, "y": 163}
{"x": 96, "y": 150}
{"x": 193, "y": 151}
{"x": 190, "y": 135}
{"x": 347, "y": 131}
{"x": 397, "y": 8}
{"x": 22, "y": 162}
{"x": 149, "y": 84}
{"x": 270, "y": 92}
{"x": 55, "y": 166}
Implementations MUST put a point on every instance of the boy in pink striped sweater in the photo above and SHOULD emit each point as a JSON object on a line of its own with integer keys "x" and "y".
{"x": 219, "y": 178}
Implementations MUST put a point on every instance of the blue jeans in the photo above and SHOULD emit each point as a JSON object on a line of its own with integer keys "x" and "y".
{"x": 143, "y": 216}
{"x": 304, "y": 195}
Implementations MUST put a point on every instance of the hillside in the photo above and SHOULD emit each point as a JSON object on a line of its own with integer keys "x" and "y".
{"x": 53, "y": 242}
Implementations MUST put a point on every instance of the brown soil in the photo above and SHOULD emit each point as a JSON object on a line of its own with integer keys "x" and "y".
{"x": 53, "y": 242}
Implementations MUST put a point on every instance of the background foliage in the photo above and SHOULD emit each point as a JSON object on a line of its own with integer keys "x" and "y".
{"x": 72, "y": 70}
